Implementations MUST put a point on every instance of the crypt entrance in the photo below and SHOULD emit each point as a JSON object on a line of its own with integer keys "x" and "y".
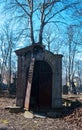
{"x": 41, "y": 90}
{"x": 39, "y": 78}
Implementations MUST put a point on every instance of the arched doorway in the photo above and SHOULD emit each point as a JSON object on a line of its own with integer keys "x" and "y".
{"x": 41, "y": 90}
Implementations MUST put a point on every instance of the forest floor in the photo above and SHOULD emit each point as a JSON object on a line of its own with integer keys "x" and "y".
{"x": 68, "y": 118}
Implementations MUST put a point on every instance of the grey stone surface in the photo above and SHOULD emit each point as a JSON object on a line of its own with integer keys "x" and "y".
{"x": 55, "y": 62}
{"x": 28, "y": 114}
{"x": 40, "y": 115}
{"x": 3, "y": 127}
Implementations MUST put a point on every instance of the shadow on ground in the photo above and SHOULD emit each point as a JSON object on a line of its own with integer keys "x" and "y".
{"x": 68, "y": 108}
{"x": 58, "y": 112}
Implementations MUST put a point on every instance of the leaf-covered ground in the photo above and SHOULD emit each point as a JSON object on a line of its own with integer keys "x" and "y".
{"x": 16, "y": 121}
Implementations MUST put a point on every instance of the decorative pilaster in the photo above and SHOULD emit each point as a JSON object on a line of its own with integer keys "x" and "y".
{"x": 57, "y": 82}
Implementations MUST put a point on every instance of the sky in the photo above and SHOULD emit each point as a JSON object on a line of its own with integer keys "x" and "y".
{"x": 67, "y": 17}
{"x": 58, "y": 31}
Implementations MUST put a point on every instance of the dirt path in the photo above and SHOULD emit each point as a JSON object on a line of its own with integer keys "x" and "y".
{"x": 17, "y": 121}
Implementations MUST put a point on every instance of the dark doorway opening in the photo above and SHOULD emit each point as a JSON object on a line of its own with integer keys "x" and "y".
{"x": 41, "y": 90}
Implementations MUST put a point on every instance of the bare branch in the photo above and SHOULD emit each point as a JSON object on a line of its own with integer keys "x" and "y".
{"x": 22, "y": 7}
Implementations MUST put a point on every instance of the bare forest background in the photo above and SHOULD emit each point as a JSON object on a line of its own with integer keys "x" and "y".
{"x": 57, "y": 24}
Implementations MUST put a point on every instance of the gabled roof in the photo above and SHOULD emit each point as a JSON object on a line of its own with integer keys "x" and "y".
{"x": 29, "y": 48}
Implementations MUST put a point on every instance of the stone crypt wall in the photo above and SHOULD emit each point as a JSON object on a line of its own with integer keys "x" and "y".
{"x": 55, "y": 62}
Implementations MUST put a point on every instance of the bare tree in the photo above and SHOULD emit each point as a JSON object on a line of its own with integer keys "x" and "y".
{"x": 79, "y": 70}
{"x": 49, "y": 37}
{"x": 73, "y": 47}
{"x": 38, "y": 13}
{"x": 6, "y": 47}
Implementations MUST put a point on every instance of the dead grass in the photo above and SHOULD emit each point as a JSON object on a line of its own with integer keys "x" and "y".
{"x": 16, "y": 121}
